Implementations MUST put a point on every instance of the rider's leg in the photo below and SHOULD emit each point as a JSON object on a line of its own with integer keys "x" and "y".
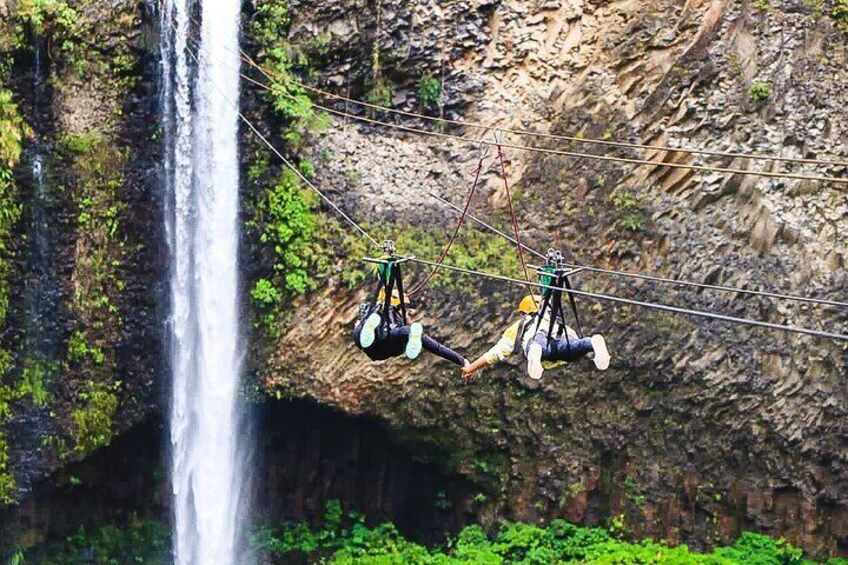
{"x": 366, "y": 330}
{"x": 442, "y": 350}
{"x": 535, "y": 351}
{"x": 574, "y": 348}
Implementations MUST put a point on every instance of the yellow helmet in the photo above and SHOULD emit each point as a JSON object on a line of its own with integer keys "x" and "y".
{"x": 395, "y": 297}
{"x": 529, "y": 304}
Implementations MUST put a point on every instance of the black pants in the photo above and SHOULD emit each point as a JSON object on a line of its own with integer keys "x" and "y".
{"x": 562, "y": 349}
{"x": 391, "y": 342}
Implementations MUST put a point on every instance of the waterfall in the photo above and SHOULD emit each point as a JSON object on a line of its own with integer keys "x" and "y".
{"x": 201, "y": 173}
{"x": 41, "y": 284}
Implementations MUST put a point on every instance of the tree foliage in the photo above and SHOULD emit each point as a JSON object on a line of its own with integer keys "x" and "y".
{"x": 514, "y": 544}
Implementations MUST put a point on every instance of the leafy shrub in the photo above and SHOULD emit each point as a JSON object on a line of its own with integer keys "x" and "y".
{"x": 519, "y": 544}
{"x": 141, "y": 541}
{"x": 631, "y": 210}
{"x": 289, "y": 100}
{"x": 12, "y": 133}
{"x": 53, "y": 17}
{"x": 759, "y": 92}
{"x": 380, "y": 94}
{"x": 289, "y": 223}
{"x": 840, "y": 14}
{"x": 80, "y": 351}
{"x": 92, "y": 421}
{"x": 429, "y": 90}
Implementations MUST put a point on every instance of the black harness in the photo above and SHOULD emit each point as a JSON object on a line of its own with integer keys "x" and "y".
{"x": 554, "y": 278}
{"x": 388, "y": 278}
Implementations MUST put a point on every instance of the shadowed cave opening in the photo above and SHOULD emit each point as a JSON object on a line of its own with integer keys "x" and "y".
{"x": 306, "y": 454}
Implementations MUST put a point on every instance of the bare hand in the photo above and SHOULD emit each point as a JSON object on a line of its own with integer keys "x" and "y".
{"x": 467, "y": 371}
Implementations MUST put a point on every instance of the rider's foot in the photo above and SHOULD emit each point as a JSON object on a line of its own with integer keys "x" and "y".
{"x": 534, "y": 361}
{"x": 602, "y": 356}
{"x": 367, "y": 333}
{"x": 413, "y": 345}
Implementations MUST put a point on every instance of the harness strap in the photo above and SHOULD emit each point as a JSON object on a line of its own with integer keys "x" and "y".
{"x": 401, "y": 296}
{"x": 573, "y": 308}
{"x": 524, "y": 323}
{"x": 389, "y": 275}
{"x": 387, "y": 299}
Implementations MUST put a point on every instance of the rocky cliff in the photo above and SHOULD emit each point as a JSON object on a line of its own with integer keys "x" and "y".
{"x": 699, "y": 430}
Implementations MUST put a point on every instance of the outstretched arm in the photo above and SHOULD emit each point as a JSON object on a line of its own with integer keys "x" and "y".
{"x": 500, "y": 351}
{"x": 469, "y": 370}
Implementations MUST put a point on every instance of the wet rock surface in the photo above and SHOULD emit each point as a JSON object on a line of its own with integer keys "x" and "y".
{"x": 308, "y": 455}
{"x": 699, "y": 430}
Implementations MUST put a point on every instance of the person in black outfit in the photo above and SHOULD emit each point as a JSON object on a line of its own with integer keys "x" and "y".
{"x": 382, "y": 337}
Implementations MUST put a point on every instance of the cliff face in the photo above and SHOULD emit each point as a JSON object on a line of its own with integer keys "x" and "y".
{"x": 86, "y": 250}
{"x": 699, "y": 430}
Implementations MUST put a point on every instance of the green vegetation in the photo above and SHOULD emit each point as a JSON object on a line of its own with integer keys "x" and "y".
{"x": 46, "y": 17}
{"x": 73, "y": 38}
{"x": 101, "y": 250}
{"x": 7, "y": 481}
{"x": 557, "y": 543}
{"x": 281, "y": 59}
{"x": 473, "y": 249}
{"x": 141, "y": 542}
{"x": 345, "y": 539}
{"x": 840, "y": 14}
{"x": 92, "y": 420}
{"x": 34, "y": 379}
{"x": 380, "y": 94}
{"x": 429, "y": 90}
{"x": 79, "y": 350}
{"x": 284, "y": 223}
{"x": 12, "y": 133}
{"x": 281, "y": 217}
{"x": 759, "y": 92}
{"x": 631, "y": 210}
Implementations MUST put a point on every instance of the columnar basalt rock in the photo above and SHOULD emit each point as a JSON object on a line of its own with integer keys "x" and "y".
{"x": 700, "y": 430}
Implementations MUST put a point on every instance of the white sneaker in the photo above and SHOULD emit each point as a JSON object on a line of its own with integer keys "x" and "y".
{"x": 413, "y": 344}
{"x": 534, "y": 361}
{"x": 602, "y": 356}
{"x": 366, "y": 334}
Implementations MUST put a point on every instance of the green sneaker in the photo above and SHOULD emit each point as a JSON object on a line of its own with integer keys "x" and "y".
{"x": 367, "y": 333}
{"x": 413, "y": 345}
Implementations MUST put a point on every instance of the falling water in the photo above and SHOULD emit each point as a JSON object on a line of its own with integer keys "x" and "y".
{"x": 201, "y": 172}
{"x": 41, "y": 287}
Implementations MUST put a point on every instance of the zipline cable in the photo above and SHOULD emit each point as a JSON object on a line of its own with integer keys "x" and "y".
{"x": 610, "y": 272}
{"x": 577, "y": 154}
{"x": 570, "y": 138}
{"x": 536, "y": 149}
{"x": 502, "y": 161}
{"x": 630, "y": 302}
{"x": 651, "y": 278}
{"x": 285, "y": 161}
{"x": 459, "y": 224}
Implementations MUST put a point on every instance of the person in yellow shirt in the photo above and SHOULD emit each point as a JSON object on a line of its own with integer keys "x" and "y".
{"x": 530, "y": 336}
